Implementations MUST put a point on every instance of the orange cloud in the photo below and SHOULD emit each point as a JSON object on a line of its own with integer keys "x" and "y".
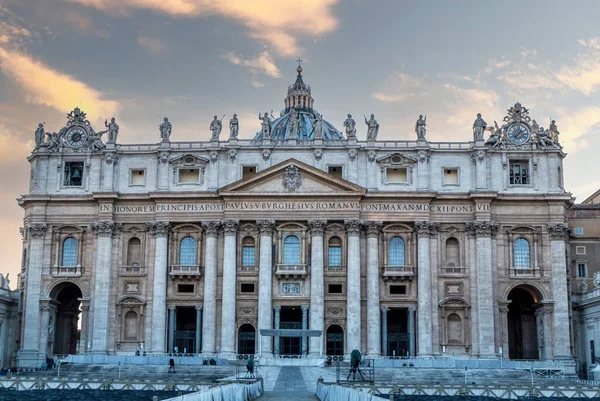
{"x": 277, "y": 22}
{"x": 263, "y": 63}
{"x": 46, "y": 86}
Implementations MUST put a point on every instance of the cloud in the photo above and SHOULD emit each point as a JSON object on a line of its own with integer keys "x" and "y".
{"x": 261, "y": 64}
{"x": 584, "y": 76}
{"x": 592, "y": 43}
{"x": 154, "y": 46}
{"x": 400, "y": 86}
{"x": 575, "y": 124}
{"x": 277, "y": 22}
{"x": 45, "y": 86}
{"x": 12, "y": 28}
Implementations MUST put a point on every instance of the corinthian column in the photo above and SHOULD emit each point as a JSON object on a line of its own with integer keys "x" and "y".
{"x": 104, "y": 233}
{"x": 317, "y": 287}
{"x": 265, "y": 285}
{"x": 229, "y": 282}
{"x": 483, "y": 231}
{"x": 424, "y": 343}
{"x": 373, "y": 313}
{"x": 211, "y": 230}
{"x": 160, "y": 230}
{"x": 29, "y": 355}
{"x": 353, "y": 313}
{"x": 561, "y": 340}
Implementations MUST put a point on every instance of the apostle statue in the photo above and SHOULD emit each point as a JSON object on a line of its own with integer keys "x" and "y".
{"x": 421, "y": 128}
{"x": 39, "y": 135}
{"x": 479, "y": 126}
{"x": 294, "y": 123}
{"x": 350, "y": 125}
{"x": 234, "y": 127}
{"x": 165, "y": 130}
{"x": 495, "y": 139}
{"x": 113, "y": 130}
{"x": 319, "y": 125}
{"x": 372, "y": 128}
{"x": 215, "y": 127}
{"x": 554, "y": 131}
{"x": 266, "y": 125}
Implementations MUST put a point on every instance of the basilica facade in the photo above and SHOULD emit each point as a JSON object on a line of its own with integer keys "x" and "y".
{"x": 395, "y": 248}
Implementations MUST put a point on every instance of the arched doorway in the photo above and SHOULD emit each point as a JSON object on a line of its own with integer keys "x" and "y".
{"x": 522, "y": 325}
{"x": 246, "y": 339}
{"x": 63, "y": 323}
{"x": 335, "y": 340}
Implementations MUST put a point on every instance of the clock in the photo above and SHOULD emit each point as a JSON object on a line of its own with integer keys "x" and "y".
{"x": 77, "y": 137}
{"x": 518, "y": 133}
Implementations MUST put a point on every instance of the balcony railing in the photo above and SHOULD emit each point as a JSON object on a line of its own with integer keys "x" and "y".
{"x": 454, "y": 271}
{"x": 521, "y": 272}
{"x": 66, "y": 271}
{"x": 340, "y": 269}
{"x": 294, "y": 271}
{"x": 398, "y": 272}
{"x": 185, "y": 271}
{"x": 247, "y": 269}
{"x": 132, "y": 270}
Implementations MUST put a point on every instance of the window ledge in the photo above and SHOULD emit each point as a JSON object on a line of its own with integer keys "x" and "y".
{"x": 291, "y": 271}
{"x": 181, "y": 271}
{"x": 66, "y": 271}
{"x": 535, "y": 272}
{"x": 132, "y": 271}
{"x": 398, "y": 272}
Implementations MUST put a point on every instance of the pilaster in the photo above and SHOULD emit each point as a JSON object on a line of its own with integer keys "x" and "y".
{"x": 304, "y": 327}
{"x": 372, "y": 229}
{"x": 159, "y": 230}
{"x": 353, "y": 310}
{"x": 317, "y": 287}
{"x": 561, "y": 340}
{"x": 211, "y": 230}
{"x": 228, "y": 330}
{"x": 265, "y": 284}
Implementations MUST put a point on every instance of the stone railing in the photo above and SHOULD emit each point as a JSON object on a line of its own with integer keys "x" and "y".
{"x": 398, "y": 272}
{"x": 185, "y": 271}
{"x": 132, "y": 270}
{"x": 247, "y": 269}
{"x": 333, "y": 269}
{"x": 520, "y": 272}
{"x": 66, "y": 271}
{"x": 453, "y": 271}
{"x": 291, "y": 270}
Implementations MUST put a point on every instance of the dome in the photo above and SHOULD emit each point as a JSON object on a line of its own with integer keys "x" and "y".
{"x": 299, "y": 102}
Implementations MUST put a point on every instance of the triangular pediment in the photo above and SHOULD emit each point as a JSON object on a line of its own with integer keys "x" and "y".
{"x": 292, "y": 177}
{"x": 396, "y": 159}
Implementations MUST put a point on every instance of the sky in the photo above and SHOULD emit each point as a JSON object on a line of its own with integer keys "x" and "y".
{"x": 142, "y": 60}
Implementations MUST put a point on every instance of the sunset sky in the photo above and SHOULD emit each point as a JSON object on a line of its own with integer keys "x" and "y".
{"x": 142, "y": 60}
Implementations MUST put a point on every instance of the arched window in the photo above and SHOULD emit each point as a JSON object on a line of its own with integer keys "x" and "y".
{"x": 454, "y": 329}
{"x": 522, "y": 254}
{"x": 134, "y": 252}
{"x": 69, "y": 252}
{"x": 452, "y": 253}
{"x": 131, "y": 323}
{"x": 335, "y": 251}
{"x": 396, "y": 252}
{"x": 291, "y": 250}
{"x": 248, "y": 252}
{"x": 187, "y": 251}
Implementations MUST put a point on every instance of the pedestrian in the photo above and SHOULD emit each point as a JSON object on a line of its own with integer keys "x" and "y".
{"x": 250, "y": 366}
{"x": 171, "y": 366}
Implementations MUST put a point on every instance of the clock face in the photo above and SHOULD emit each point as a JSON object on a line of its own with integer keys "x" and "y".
{"x": 76, "y": 137}
{"x": 518, "y": 133}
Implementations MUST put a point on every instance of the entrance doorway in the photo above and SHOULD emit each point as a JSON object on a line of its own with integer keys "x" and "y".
{"x": 522, "y": 326}
{"x": 185, "y": 332}
{"x": 335, "y": 340}
{"x": 397, "y": 335}
{"x": 290, "y": 318}
{"x": 64, "y": 332}
{"x": 246, "y": 339}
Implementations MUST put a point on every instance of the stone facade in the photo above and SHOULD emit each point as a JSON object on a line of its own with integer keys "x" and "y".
{"x": 391, "y": 247}
{"x": 9, "y": 301}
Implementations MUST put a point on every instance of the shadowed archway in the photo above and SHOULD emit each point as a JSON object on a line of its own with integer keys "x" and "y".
{"x": 63, "y": 323}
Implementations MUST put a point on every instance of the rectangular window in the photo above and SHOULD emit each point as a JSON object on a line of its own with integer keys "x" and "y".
{"x": 450, "y": 176}
{"x": 580, "y": 250}
{"x": 397, "y": 290}
{"x": 137, "y": 178}
{"x": 189, "y": 176}
{"x": 335, "y": 256}
{"x": 334, "y": 288}
{"x": 247, "y": 287}
{"x": 248, "y": 256}
{"x": 185, "y": 288}
{"x": 248, "y": 171}
{"x": 519, "y": 172}
{"x": 335, "y": 171}
{"x": 581, "y": 270}
{"x": 73, "y": 174}
{"x": 396, "y": 175}
{"x": 578, "y": 231}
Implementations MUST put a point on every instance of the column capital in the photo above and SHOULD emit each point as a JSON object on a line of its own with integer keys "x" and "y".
{"x": 426, "y": 228}
{"x": 230, "y": 227}
{"x": 304, "y": 308}
{"x": 545, "y": 310}
{"x": 277, "y": 307}
{"x": 372, "y": 228}
{"x": 172, "y": 308}
{"x": 412, "y": 309}
{"x": 211, "y": 228}
{"x": 384, "y": 308}
{"x": 558, "y": 232}
{"x": 265, "y": 226}
{"x": 482, "y": 228}
{"x": 353, "y": 227}
{"x": 106, "y": 228}
{"x": 199, "y": 307}
{"x": 317, "y": 226}
{"x": 37, "y": 230}
{"x": 159, "y": 228}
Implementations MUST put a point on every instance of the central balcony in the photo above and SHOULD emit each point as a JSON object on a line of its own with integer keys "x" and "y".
{"x": 185, "y": 272}
{"x": 398, "y": 273}
{"x": 291, "y": 271}
{"x": 65, "y": 271}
